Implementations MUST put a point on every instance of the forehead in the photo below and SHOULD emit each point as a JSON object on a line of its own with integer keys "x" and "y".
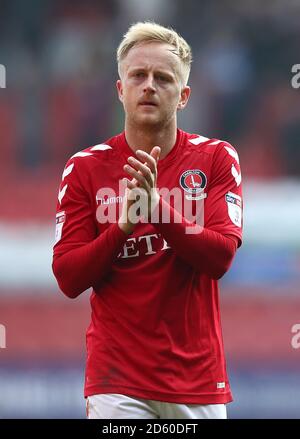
{"x": 152, "y": 55}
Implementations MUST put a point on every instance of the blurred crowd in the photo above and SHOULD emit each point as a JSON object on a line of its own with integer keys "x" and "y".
{"x": 61, "y": 71}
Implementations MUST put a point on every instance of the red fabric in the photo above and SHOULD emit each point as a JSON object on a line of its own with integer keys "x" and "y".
{"x": 205, "y": 250}
{"x": 155, "y": 327}
{"x": 83, "y": 267}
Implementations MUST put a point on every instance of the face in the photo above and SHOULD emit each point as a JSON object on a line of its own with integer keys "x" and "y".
{"x": 151, "y": 87}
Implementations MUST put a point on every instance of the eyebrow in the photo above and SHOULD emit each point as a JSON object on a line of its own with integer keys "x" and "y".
{"x": 174, "y": 51}
{"x": 159, "y": 71}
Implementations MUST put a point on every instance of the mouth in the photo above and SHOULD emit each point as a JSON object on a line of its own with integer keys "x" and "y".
{"x": 148, "y": 103}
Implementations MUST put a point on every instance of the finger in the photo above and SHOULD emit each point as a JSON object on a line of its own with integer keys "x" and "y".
{"x": 139, "y": 177}
{"x": 129, "y": 184}
{"x": 155, "y": 153}
{"x": 146, "y": 158}
{"x": 142, "y": 168}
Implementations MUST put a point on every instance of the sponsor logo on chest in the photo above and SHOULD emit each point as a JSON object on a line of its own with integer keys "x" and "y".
{"x": 109, "y": 200}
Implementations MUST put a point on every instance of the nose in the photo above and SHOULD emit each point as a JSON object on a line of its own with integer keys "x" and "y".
{"x": 149, "y": 85}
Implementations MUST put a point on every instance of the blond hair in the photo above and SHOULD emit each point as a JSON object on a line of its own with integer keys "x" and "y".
{"x": 148, "y": 31}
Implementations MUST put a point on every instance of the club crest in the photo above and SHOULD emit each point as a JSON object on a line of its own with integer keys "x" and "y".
{"x": 193, "y": 182}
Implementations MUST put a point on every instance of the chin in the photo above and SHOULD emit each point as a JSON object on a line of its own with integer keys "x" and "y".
{"x": 148, "y": 121}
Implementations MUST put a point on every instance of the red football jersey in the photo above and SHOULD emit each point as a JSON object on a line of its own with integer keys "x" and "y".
{"x": 155, "y": 328}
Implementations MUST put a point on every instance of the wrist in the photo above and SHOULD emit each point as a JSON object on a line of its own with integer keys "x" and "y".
{"x": 154, "y": 207}
{"x": 126, "y": 226}
{"x": 154, "y": 201}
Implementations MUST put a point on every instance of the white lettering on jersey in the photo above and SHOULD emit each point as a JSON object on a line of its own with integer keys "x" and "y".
{"x": 237, "y": 176}
{"x": 61, "y": 193}
{"x": 129, "y": 247}
{"x": 149, "y": 244}
{"x": 234, "y": 204}
{"x": 138, "y": 250}
{"x": 109, "y": 200}
{"x": 165, "y": 245}
{"x": 60, "y": 219}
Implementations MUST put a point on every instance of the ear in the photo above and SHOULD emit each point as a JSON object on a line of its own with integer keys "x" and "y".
{"x": 184, "y": 97}
{"x": 120, "y": 89}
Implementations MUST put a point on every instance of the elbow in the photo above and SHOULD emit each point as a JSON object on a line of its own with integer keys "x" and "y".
{"x": 220, "y": 267}
{"x": 214, "y": 270}
{"x": 67, "y": 286}
{"x": 68, "y": 290}
{"x": 225, "y": 258}
{"x": 218, "y": 273}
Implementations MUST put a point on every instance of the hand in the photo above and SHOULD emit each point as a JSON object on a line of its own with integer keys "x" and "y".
{"x": 124, "y": 221}
{"x": 144, "y": 173}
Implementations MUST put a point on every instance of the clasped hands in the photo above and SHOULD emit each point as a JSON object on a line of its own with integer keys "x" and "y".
{"x": 141, "y": 194}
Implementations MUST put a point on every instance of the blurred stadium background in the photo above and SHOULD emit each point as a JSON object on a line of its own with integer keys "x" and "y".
{"x": 60, "y": 98}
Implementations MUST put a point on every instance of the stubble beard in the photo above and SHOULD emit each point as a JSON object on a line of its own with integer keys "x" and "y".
{"x": 148, "y": 124}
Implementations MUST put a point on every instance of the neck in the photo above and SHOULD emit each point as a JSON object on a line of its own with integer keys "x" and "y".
{"x": 146, "y": 138}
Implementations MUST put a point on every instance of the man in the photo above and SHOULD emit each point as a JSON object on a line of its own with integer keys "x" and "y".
{"x": 154, "y": 345}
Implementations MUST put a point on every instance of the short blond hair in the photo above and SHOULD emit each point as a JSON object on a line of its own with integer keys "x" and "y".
{"x": 148, "y": 31}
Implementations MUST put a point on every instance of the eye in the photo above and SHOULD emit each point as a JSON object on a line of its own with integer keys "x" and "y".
{"x": 163, "y": 78}
{"x": 139, "y": 74}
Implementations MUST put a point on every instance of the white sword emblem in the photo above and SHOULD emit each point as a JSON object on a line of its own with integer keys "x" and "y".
{"x": 194, "y": 183}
